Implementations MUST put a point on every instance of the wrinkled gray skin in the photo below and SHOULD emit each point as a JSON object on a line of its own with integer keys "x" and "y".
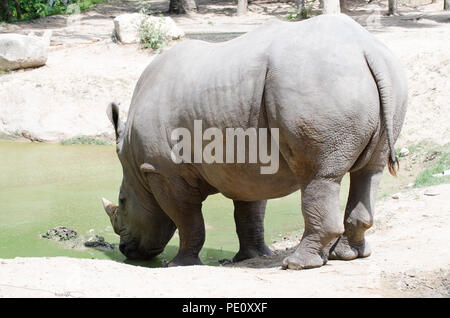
{"x": 338, "y": 97}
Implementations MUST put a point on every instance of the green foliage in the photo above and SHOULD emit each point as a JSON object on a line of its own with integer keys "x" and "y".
{"x": 297, "y": 15}
{"x": 4, "y": 71}
{"x": 85, "y": 141}
{"x": 300, "y": 14}
{"x": 32, "y": 9}
{"x": 145, "y": 7}
{"x": 426, "y": 178}
{"x": 151, "y": 34}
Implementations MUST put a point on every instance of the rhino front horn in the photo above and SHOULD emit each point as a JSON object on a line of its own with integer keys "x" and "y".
{"x": 109, "y": 207}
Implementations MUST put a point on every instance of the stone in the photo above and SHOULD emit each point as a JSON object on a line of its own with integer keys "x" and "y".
{"x": 126, "y": 27}
{"x": 431, "y": 193}
{"x": 99, "y": 243}
{"x": 19, "y": 51}
{"x": 396, "y": 196}
{"x": 60, "y": 233}
{"x": 404, "y": 152}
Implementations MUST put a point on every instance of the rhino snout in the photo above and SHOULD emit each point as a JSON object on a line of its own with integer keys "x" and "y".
{"x": 133, "y": 252}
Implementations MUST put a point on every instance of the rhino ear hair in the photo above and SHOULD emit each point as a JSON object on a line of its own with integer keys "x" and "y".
{"x": 113, "y": 114}
{"x": 147, "y": 168}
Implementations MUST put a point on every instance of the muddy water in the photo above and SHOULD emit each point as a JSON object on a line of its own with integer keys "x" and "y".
{"x": 47, "y": 185}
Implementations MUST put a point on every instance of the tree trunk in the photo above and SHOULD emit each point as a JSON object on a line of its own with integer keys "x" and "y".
{"x": 446, "y": 4}
{"x": 242, "y": 7}
{"x": 4, "y": 10}
{"x": 300, "y": 5}
{"x": 342, "y": 4}
{"x": 393, "y": 8}
{"x": 182, "y": 6}
{"x": 331, "y": 6}
{"x": 19, "y": 14}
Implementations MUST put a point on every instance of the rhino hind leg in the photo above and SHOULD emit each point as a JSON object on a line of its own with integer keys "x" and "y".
{"x": 323, "y": 224}
{"x": 249, "y": 219}
{"x": 358, "y": 216}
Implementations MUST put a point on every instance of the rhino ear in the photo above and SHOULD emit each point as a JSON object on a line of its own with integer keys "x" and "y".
{"x": 113, "y": 114}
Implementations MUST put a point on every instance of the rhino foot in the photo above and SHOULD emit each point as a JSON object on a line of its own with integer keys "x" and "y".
{"x": 304, "y": 261}
{"x": 248, "y": 253}
{"x": 344, "y": 250}
{"x": 184, "y": 261}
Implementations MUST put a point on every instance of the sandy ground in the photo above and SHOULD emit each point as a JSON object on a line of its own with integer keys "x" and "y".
{"x": 410, "y": 259}
{"x": 86, "y": 70}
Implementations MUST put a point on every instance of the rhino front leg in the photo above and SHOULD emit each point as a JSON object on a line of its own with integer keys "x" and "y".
{"x": 358, "y": 216}
{"x": 323, "y": 223}
{"x": 191, "y": 229}
{"x": 249, "y": 218}
{"x": 183, "y": 205}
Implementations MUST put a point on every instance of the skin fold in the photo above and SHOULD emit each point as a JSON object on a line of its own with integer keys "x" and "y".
{"x": 338, "y": 97}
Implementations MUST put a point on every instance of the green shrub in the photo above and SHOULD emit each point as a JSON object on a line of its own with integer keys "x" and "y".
{"x": 85, "y": 141}
{"x": 426, "y": 178}
{"x": 32, "y": 9}
{"x": 151, "y": 33}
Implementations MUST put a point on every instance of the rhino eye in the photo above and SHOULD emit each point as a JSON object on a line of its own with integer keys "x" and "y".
{"x": 122, "y": 201}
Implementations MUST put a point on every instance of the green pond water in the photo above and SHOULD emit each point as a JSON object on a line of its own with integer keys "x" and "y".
{"x": 47, "y": 185}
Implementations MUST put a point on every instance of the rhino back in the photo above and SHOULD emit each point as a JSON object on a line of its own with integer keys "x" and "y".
{"x": 219, "y": 83}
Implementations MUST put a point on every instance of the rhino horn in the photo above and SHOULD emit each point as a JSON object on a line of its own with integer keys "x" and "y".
{"x": 109, "y": 207}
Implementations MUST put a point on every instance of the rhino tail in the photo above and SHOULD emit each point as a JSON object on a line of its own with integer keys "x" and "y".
{"x": 380, "y": 72}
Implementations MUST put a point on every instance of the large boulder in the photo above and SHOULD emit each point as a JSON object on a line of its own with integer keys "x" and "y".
{"x": 126, "y": 27}
{"x": 23, "y": 51}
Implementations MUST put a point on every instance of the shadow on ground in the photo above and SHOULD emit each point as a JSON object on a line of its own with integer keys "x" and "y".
{"x": 208, "y": 256}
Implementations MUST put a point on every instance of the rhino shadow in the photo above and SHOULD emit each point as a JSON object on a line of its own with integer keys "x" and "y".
{"x": 209, "y": 256}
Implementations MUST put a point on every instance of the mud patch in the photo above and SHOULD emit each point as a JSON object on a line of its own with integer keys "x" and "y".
{"x": 60, "y": 233}
{"x": 71, "y": 239}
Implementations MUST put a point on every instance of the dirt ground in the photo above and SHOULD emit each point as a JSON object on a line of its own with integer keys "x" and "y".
{"x": 86, "y": 70}
{"x": 410, "y": 259}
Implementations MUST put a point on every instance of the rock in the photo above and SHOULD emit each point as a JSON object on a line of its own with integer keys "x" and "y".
{"x": 99, "y": 243}
{"x": 170, "y": 28}
{"x": 447, "y": 173}
{"x": 396, "y": 196}
{"x": 410, "y": 185}
{"x": 404, "y": 152}
{"x": 22, "y": 51}
{"x": 60, "y": 233}
{"x": 431, "y": 193}
{"x": 411, "y": 273}
{"x": 126, "y": 27}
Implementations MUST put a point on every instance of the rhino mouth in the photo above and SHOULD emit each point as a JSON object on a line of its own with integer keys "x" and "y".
{"x": 133, "y": 251}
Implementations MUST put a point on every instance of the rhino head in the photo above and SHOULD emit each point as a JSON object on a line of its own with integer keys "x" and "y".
{"x": 143, "y": 227}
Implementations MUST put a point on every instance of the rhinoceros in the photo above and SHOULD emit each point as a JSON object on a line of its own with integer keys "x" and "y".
{"x": 337, "y": 97}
